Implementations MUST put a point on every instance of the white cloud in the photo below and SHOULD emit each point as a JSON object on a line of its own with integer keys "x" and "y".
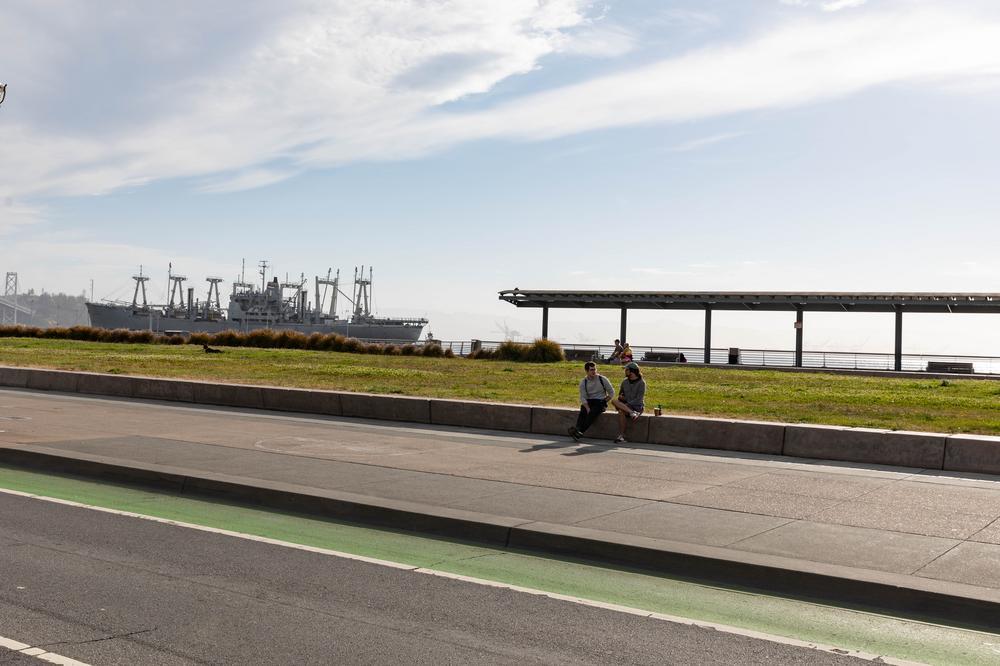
{"x": 324, "y": 84}
{"x": 837, "y": 5}
{"x": 602, "y": 40}
{"x": 799, "y": 63}
{"x": 247, "y": 179}
{"x": 656, "y": 272}
{"x": 696, "y": 144}
{"x": 201, "y": 93}
{"x": 826, "y": 5}
{"x": 14, "y": 216}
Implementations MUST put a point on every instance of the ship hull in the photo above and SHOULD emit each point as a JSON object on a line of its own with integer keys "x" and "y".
{"x": 116, "y": 316}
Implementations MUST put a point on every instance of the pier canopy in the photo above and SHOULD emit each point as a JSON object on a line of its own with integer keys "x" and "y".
{"x": 763, "y": 301}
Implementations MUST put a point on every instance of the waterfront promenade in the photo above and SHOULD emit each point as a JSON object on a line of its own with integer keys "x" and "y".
{"x": 909, "y": 540}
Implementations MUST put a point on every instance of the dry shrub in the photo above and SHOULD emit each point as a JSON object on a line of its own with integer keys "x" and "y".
{"x": 449, "y": 353}
{"x": 290, "y": 340}
{"x": 314, "y": 341}
{"x": 390, "y": 350}
{"x": 141, "y": 337}
{"x": 539, "y": 351}
{"x": 16, "y": 332}
{"x": 352, "y": 346}
{"x": 87, "y": 333}
{"x": 227, "y": 339}
{"x": 508, "y": 350}
{"x": 200, "y": 338}
{"x": 433, "y": 350}
{"x": 119, "y": 335}
{"x": 262, "y": 338}
{"x": 326, "y": 342}
{"x": 544, "y": 351}
{"x": 408, "y": 350}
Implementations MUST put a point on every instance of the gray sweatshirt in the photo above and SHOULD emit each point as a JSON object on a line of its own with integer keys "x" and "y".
{"x": 598, "y": 388}
{"x": 633, "y": 393}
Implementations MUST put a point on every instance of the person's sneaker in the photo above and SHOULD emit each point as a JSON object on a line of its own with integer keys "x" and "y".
{"x": 619, "y": 439}
{"x": 574, "y": 433}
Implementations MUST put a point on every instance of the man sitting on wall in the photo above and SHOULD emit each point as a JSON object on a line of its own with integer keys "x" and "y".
{"x": 595, "y": 391}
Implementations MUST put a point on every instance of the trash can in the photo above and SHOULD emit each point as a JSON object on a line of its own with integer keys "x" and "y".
{"x": 734, "y": 356}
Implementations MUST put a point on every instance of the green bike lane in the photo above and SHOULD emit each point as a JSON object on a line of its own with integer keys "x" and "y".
{"x": 750, "y": 613}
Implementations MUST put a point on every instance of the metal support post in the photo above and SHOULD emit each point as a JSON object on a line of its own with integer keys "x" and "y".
{"x": 899, "y": 338}
{"x": 545, "y": 322}
{"x": 798, "y": 338}
{"x": 708, "y": 335}
{"x": 621, "y": 335}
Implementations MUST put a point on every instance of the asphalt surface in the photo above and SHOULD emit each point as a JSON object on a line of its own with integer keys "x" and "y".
{"x": 109, "y": 589}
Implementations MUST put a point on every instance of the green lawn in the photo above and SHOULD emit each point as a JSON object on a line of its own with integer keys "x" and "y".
{"x": 903, "y": 404}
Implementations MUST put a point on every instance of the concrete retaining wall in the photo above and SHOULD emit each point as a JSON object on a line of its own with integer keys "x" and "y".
{"x": 972, "y": 453}
{"x": 866, "y": 445}
{"x": 959, "y": 453}
{"x": 388, "y": 407}
{"x": 481, "y": 415}
{"x": 730, "y": 435}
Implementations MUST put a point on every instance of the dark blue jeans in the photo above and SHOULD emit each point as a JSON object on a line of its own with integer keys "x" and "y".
{"x": 585, "y": 419}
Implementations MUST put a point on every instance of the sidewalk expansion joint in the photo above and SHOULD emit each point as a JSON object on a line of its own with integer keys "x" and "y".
{"x": 770, "y": 529}
{"x": 612, "y": 513}
{"x": 916, "y": 572}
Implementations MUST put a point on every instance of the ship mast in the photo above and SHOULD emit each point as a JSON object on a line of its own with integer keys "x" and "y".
{"x": 140, "y": 284}
{"x": 176, "y": 289}
{"x": 213, "y": 287}
{"x": 327, "y": 282}
{"x": 362, "y": 302}
{"x": 263, "y": 275}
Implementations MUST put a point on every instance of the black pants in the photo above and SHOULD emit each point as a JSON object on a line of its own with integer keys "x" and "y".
{"x": 586, "y": 419}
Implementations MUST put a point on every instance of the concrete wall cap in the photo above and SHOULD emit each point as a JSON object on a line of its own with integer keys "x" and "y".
{"x": 992, "y": 439}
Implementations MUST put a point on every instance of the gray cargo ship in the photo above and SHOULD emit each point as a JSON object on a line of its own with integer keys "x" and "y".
{"x": 281, "y": 306}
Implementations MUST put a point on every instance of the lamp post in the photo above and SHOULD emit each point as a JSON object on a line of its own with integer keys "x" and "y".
{"x": 3, "y": 92}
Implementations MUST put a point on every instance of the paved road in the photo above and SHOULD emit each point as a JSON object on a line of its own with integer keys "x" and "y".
{"x": 108, "y": 589}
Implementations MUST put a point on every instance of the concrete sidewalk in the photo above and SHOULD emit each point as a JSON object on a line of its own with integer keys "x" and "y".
{"x": 898, "y": 539}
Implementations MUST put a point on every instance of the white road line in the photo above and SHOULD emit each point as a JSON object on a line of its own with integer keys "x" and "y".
{"x": 39, "y": 653}
{"x": 728, "y": 629}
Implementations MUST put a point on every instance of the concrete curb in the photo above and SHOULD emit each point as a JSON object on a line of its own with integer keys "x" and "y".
{"x": 452, "y": 523}
{"x": 869, "y": 590}
{"x": 937, "y": 451}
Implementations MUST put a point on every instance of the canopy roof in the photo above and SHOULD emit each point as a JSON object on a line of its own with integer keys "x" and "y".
{"x": 762, "y": 300}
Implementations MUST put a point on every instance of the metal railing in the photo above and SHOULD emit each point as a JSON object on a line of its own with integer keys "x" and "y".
{"x": 778, "y": 358}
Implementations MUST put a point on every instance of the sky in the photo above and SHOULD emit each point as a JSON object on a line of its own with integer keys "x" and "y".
{"x": 463, "y": 147}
